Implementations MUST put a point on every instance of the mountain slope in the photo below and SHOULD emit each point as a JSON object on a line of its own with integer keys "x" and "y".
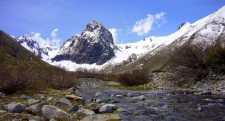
{"x": 13, "y": 54}
{"x": 205, "y": 31}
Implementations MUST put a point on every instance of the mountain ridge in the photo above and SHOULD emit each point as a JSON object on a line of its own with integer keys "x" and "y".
{"x": 209, "y": 27}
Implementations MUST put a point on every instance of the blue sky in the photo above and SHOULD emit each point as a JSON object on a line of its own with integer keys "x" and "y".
{"x": 129, "y": 20}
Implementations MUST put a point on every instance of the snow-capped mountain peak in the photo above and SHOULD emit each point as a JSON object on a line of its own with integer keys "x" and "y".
{"x": 94, "y": 45}
{"x": 40, "y": 49}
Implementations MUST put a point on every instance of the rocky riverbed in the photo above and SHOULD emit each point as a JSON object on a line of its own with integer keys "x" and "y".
{"x": 92, "y": 100}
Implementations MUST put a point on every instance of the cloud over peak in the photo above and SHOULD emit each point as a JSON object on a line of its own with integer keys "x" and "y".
{"x": 114, "y": 33}
{"x": 144, "y": 26}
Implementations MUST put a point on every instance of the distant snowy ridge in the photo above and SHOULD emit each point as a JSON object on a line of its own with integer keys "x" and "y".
{"x": 205, "y": 30}
{"x": 39, "y": 48}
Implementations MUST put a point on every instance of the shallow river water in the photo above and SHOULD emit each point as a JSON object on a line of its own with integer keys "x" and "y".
{"x": 163, "y": 105}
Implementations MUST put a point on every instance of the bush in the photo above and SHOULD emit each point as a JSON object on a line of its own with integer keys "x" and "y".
{"x": 133, "y": 78}
{"x": 195, "y": 62}
{"x": 13, "y": 79}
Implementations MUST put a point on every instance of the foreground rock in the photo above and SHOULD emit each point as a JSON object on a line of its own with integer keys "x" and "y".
{"x": 64, "y": 101}
{"x": 102, "y": 117}
{"x": 85, "y": 112}
{"x": 33, "y": 101}
{"x": 101, "y": 97}
{"x": 15, "y": 107}
{"x": 108, "y": 108}
{"x": 51, "y": 112}
{"x": 74, "y": 97}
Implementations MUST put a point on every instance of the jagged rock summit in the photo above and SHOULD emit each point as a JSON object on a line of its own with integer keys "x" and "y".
{"x": 94, "y": 45}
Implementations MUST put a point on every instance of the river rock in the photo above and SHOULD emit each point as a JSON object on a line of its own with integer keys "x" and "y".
{"x": 85, "y": 112}
{"x": 36, "y": 118}
{"x": 64, "y": 101}
{"x": 37, "y": 107}
{"x": 101, "y": 97}
{"x": 52, "y": 112}
{"x": 74, "y": 108}
{"x": 130, "y": 95}
{"x": 108, "y": 108}
{"x": 141, "y": 97}
{"x": 2, "y": 95}
{"x": 74, "y": 97}
{"x": 25, "y": 97}
{"x": 33, "y": 101}
{"x": 15, "y": 107}
{"x": 102, "y": 117}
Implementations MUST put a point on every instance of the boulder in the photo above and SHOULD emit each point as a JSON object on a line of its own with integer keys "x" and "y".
{"x": 37, "y": 107}
{"x": 108, "y": 108}
{"x": 32, "y": 101}
{"x": 64, "y": 101}
{"x": 15, "y": 107}
{"x": 101, "y": 97}
{"x": 85, "y": 112}
{"x": 52, "y": 112}
{"x": 74, "y": 108}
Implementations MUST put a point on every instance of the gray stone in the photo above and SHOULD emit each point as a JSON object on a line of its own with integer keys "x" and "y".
{"x": 52, "y": 112}
{"x": 36, "y": 118}
{"x": 2, "y": 111}
{"x": 33, "y": 101}
{"x": 15, "y": 107}
{"x": 49, "y": 98}
{"x": 141, "y": 97}
{"x": 101, "y": 97}
{"x": 130, "y": 95}
{"x": 37, "y": 107}
{"x": 64, "y": 101}
{"x": 102, "y": 117}
{"x": 74, "y": 108}
{"x": 108, "y": 108}
{"x": 2, "y": 95}
{"x": 85, "y": 112}
{"x": 52, "y": 120}
{"x": 24, "y": 97}
{"x": 42, "y": 97}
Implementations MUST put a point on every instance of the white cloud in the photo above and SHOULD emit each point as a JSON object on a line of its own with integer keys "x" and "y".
{"x": 160, "y": 15}
{"x": 54, "y": 33}
{"x": 114, "y": 32}
{"x": 54, "y": 40}
{"x": 144, "y": 26}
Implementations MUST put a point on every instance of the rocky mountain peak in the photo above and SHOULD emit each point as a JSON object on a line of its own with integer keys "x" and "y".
{"x": 93, "y": 26}
{"x": 94, "y": 45}
{"x": 25, "y": 37}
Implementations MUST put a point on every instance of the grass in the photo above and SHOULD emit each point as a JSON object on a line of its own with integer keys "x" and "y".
{"x": 122, "y": 87}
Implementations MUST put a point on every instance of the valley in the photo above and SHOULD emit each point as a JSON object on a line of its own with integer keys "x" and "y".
{"x": 90, "y": 77}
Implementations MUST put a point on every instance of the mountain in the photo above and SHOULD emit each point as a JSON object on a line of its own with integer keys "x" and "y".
{"x": 154, "y": 51}
{"x": 15, "y": 55}
{"x": 94, "y": 45}
{"x": 94, "y": 48}
{"x": 39, "y": 48}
